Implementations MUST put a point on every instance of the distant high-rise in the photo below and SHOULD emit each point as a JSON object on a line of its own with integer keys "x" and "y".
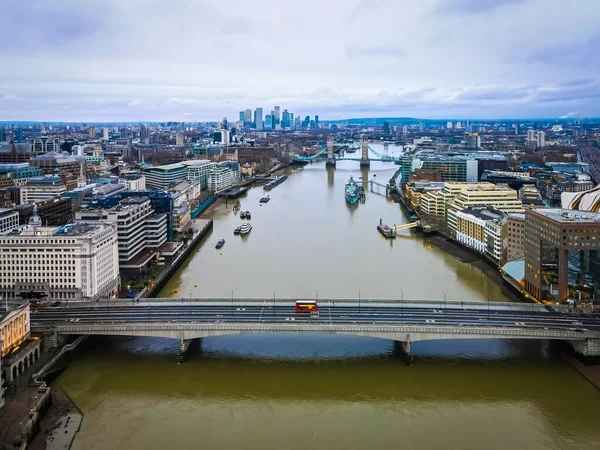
{"x": 248, "y": 116}
{"x": 269, "y": 122}
{"x": 449, "y": 125}
{"x": 258, "y": 118}
{"x": 243, "y": 116}
{"x": 179, "y": 140}
{"x": 474, "y": 141}
{"x": 105, "y": 134}
{"x": 285, "y": 119}
{"x": 144, "y": 134}
{"x": 516, "y": 127}
{"x": 276, "y": 115}
{"x": 541, "y": 139}
{"x": 18, "y": 135}
{"x": 386, "y": 128}
{"x": 306, "y": 122}
{"x": 92, "y": 132}
{"x": 458, "y": 125}
{"x": 404, "y": 129}
{"x": 317, "y": 122}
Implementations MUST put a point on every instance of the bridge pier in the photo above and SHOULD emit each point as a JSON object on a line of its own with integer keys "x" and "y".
{"x": 364, "y": 159}
{"x": 588, "y": 351}
{"x": 403, "y": 350}
{"x": 184, "y": 348}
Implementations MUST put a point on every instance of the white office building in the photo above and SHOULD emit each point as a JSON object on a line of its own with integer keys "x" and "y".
{"x": 222, "y": 177}
{"x": 198, "y": 169}
{"x": 140, "y": 230}
{"x": 78, "y": 262}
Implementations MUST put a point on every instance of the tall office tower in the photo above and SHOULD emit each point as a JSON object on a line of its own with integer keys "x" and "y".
{"x": 297, "y": 122}
{"x": 144, "y": 134}
{"x": 291, "y": 116}
{"x": 531, "y": 138}
{"x": 248, "y": 116}
{"x": 317, "y": 122}
{"x": 285, "y": 119}
{"x": 306, "y": 122}
{"x": 43, "y": 127}
{"x": 258, "y": 118}
{"x": 269, "y": 122}
{"x": 386, "y": 128}
{"x": 91, "y": 132}
{"x": 225, "y": 124}
{"x": 541, "y": 139}
{"x": 243, "y": 116}
{"x": 516, "y": 127}
{"x": 105, "y": 134}
{"x": 458, "y": 125}
{"x": 276, "y": 115}
{"x": 404, "y": 129}
{"x": 449, "y": 125}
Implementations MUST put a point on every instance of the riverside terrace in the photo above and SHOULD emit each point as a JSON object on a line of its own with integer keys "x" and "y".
{"x": 401, "y": 321}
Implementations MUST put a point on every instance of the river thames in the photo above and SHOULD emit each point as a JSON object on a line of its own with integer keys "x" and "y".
{"x": 285, "y": 391}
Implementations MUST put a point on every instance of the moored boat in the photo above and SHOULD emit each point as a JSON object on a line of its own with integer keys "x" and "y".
{"x": 220, "y": 243}
{"x": 245, "y": 228}
{"x": 352, "y": 191}
{"x": 265, "y": 199}
{"x": 386, "y": 231}
{"x": 237, "y": 230}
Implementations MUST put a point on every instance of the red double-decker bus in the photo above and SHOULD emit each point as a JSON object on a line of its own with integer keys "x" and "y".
{"x": 306, "y": 306}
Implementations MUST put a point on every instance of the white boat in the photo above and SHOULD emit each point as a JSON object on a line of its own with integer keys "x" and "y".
{"x": 245, "y": 228}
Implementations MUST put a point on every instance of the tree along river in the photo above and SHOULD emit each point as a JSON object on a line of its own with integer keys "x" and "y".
{"x": 280, "y": 391}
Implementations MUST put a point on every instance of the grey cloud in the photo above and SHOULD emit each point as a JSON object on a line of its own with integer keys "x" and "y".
{"x": 364, "y": 51}
{"x": 475, "y": 6}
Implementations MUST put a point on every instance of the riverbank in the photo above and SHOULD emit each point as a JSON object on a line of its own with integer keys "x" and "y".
{"x": 590, "y": 373}
{"x": 59, "y": 427}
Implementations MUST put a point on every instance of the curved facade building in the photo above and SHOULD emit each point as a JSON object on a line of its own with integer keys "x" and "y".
{"x": 582, "y": 201}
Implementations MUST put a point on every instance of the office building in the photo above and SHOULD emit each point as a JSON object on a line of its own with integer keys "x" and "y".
{"x": 222, "y": 177}
{"x": 53, "y": 163}
{"x": 404, "y": 129}
{"x": 9, "y": 220}
{"x": 562, "y": 261}
{"x": 133, "y": 181}
{"x": 19, "y": 173}
{"x": 499, "y": 197}
{"x": 198, "y": 170}
{"x": 258, "y": 118}
{"x": 44, "y": 145}
{"x": 42, "y": 188}
{"x": 141, "y": 231}
{"x": 92, "y": 132}
{"x": 541, "y": 139}
{"x": 179, "y": 140}
{"x": 15, "y": 153}
{"x": 449, "y": 125}
{"x": 276, "y": 116}
{"x": 474, "y": 141}
{"x": 515, "y": 236}
{"x": 268, "y": 122}
{"x": 243, "y": 116}
{"x": 105, "y": 134}
{"x": 53, "y": 212}
{"x": 162, "y": 177}
{"x": 248, "y": 117}
{"x": 480, "y": 228}
{"x": 76, "y": 262}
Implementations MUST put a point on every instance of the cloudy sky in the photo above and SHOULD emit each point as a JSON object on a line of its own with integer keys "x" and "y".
{"x": 131, "y": 60}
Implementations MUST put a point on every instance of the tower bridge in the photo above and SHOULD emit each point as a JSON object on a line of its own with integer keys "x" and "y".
{"x": 328, "y": 154}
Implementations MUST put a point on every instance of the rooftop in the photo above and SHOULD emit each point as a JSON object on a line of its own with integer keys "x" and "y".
{"x": 569, "y": 216}
{"x": 483, "y": 212}
{"x": 74, "y": 229}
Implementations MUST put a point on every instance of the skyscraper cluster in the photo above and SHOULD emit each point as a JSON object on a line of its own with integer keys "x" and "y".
{"x": 275, "y": 120}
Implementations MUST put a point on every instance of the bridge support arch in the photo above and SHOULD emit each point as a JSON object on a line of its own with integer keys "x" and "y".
{"x": 184, "y": 347}
{"x": 364, "y": 159}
